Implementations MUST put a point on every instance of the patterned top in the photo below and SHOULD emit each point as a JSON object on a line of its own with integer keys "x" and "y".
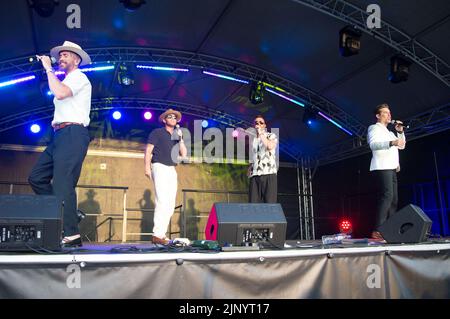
{"x": 264, "y": 162}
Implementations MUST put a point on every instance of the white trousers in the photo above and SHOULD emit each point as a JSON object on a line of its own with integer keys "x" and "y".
{"x": 165, "y": 181}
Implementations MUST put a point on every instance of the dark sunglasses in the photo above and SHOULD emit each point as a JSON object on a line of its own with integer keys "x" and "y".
{"x": 259, "y": 122}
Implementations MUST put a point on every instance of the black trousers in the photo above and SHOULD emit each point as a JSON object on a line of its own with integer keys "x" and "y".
{"x": 387, "y": 194}
{"x": 62, "y": 161}
{"x": 263, "y": 189}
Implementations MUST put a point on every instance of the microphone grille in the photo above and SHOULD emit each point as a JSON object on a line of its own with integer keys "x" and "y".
{"x": 177, "y": 126}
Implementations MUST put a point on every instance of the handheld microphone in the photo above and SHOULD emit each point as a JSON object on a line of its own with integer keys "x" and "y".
{"x": 394, "y": 122}
{"x": 31, "y": 59}
{"x": 177, "y": 127}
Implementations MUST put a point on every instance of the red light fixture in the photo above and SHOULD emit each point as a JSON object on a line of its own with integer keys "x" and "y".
{"x": 345, "y": 226}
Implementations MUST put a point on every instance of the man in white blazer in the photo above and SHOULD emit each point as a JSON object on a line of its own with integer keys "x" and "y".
{"x": 385, "y": 163}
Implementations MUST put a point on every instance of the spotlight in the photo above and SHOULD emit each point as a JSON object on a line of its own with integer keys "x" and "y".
{"x": 148, "y": 115}
{"x": 125, "y": 78}
{"x": 132, "y": 5}
{"x": 349, "y": 41}
{"x": 117, "y": 115}
{"x": 44, "y": 8}
{"x": 345, "y": 227}
{"x": 205, "y": 124}
{"x": 399, "y": 69}
{"x": 309, "y": 116}
{"x": 35, "y": 128}
{"x": 257, "y": 92}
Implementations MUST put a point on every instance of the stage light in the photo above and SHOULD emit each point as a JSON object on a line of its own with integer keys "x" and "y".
{"x": 97, "y": 68}
{"x": 132, "y": 5}
{"x": 49, "y": 93}
{"x": 399, "y": 69}
{"x": 35, "y": 128}
{"x": 44, "y": 8}
{"x": 124, "y": 76}
{"x": 335, "y": 123}
{"x": 257, "y": 92}
{"x": 161, "y": 68}
{"x": 345, "y": 226}
{"x": 285, "y": 97}
{"x": 349, "y": 41}
{"x": 18, "y": 80}
{"x": 117, "y": 115}
{"x": 148, "y": 115}
{"x": 205, "y": 123}
{"x": 235, "y": 133}
{"x": 309, "y": 116}
{"x": 90, "y": 69}
{"x": 226, "y": 77}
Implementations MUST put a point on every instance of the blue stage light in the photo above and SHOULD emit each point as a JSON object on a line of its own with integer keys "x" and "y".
{"x": 205, "y": 124}
{"x": 18, "y": 80}
{"x": 148, "y": 115}
{"x": 35, "y": 128}
{"x": 117, "y": 115}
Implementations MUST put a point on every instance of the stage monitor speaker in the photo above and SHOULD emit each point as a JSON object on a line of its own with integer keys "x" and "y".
{"x": 29, "y": 222}
{"x": 409, "y": 225}
{"x": 247, "y": 224}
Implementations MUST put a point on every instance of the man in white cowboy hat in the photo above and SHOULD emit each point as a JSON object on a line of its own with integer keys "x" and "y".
{"x": 58, "y": 169}
{"x": 163, "y": 147}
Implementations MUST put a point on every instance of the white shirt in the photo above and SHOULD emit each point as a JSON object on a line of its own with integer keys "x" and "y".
{"x": 75, "y": 108}
{"x": 264, "y": 161}
{"x": 383, "y": 155}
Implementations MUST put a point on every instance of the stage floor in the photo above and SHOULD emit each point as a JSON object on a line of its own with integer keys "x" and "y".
{"x": 301, "y": 270}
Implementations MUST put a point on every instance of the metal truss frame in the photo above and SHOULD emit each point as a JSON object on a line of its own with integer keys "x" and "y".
{"x": 46, "y": 112}
{"x": 305, "y": 200}
{"x": 168, "y": 57}
{"x": 388, "y": 34}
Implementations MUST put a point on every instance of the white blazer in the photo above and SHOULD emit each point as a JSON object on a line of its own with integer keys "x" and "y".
{"x": 383, "y": 156}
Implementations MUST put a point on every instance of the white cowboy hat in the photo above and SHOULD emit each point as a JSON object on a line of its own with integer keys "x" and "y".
{"x": 72, "y": 47}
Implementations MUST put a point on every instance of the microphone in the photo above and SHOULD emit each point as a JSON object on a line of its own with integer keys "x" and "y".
{"x": 31, "y": 59}
{"x": 180, "y": 134}
{"x": 394, "y": 122}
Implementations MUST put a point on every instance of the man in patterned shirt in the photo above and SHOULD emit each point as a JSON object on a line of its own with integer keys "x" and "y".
{"x": 263, "y": 170}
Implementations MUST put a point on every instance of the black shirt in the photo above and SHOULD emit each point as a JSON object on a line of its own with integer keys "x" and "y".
{"x": 164, "y": 143}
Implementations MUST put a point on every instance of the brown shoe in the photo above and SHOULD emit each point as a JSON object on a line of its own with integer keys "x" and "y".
{"x": 376, "y": 235}
{"x": 160, "y": 241}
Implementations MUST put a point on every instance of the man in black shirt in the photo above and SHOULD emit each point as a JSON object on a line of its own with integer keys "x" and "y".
{"x": 164, "y": 145}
